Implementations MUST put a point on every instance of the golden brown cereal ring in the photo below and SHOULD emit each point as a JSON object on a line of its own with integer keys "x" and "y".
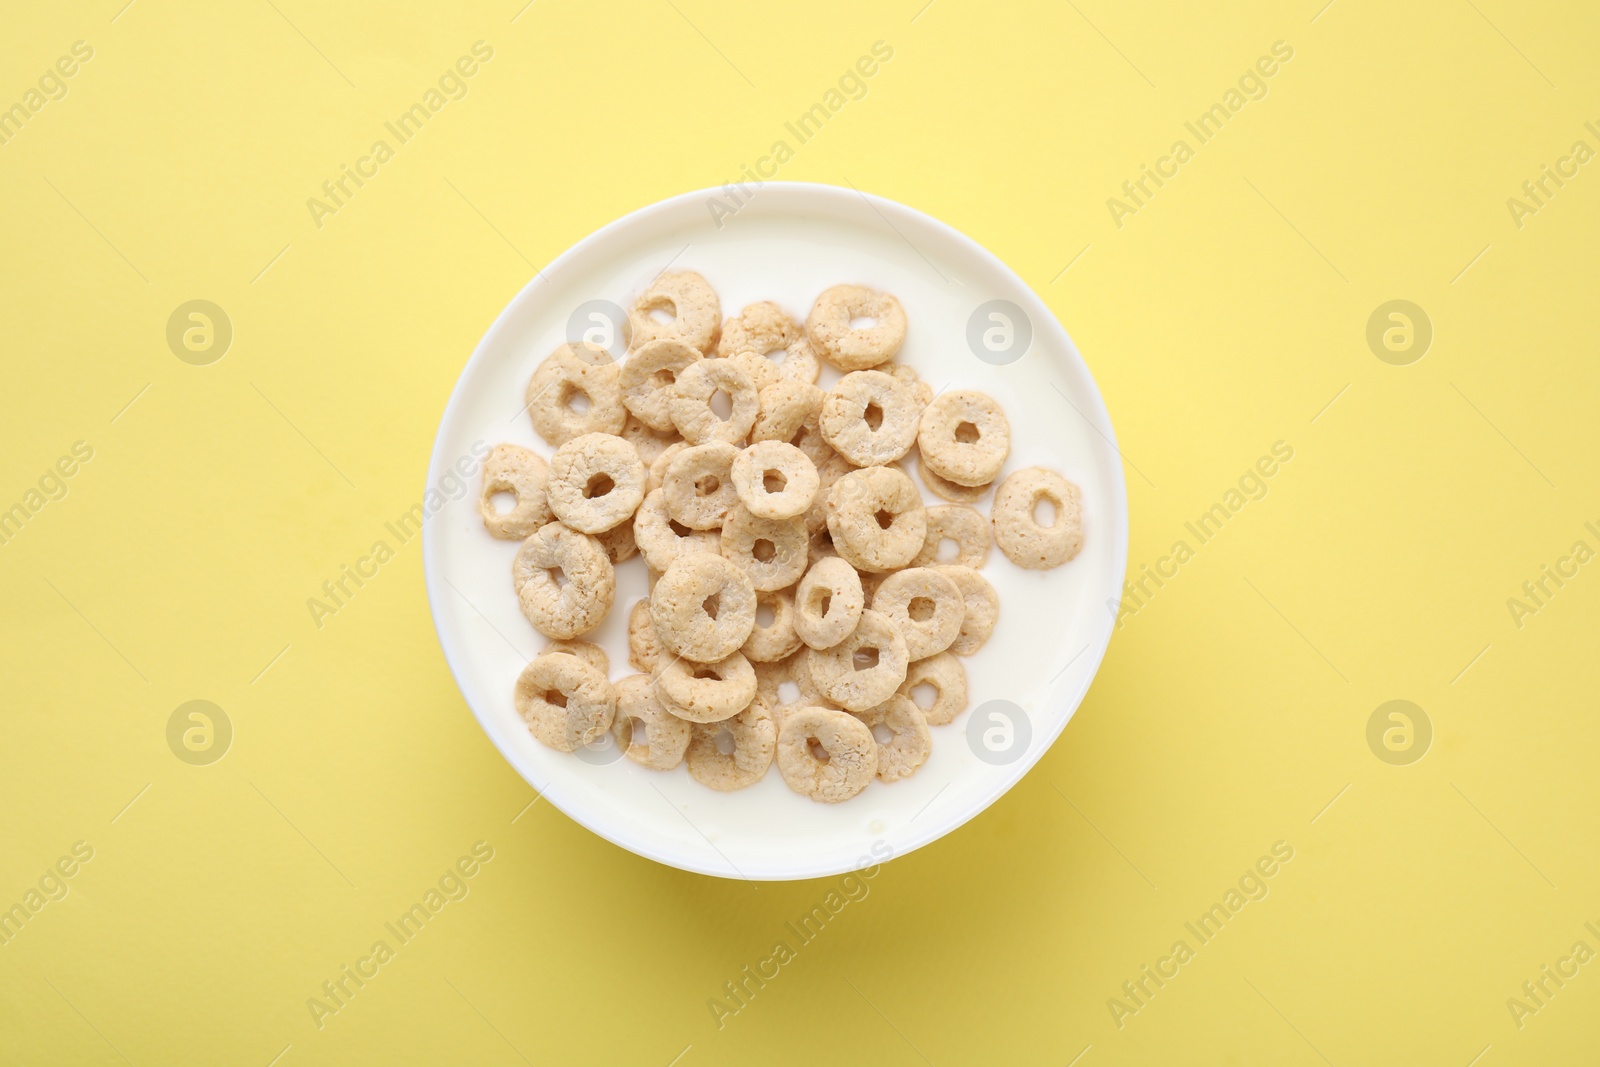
{"x": 706, "y": 692}
{"x": 658, "y": 467}
{"x": 771, "y": 551}
{"x": 948, "y": 680}
{"x": 983, "y": 609}
{"x": 870, "y": 418}
{"x": 852, "y": 754}
{"x": 761, "y": 327}
{"x": 698, "y": 487}
{"x": 761, "y": 371}
{"x": 689, "y": 299}
{"x": 783, "y": 410}
{"x": 596, "y": 482}
{"x": 786, "y": 682}
{"x": 828, "y": 327}
{"x": 704, "y": 608}
{"x": 925, "y": 605}
{"x": 909, "y": 743}
{"x": 754, "y": 736}
{"x": 564, "y": 581}
{"x": 647, "y": 378}
{"x": 644, "y": 650}
{"x": 964, "y": 437}
{"x": 588, "y": 651}
{"x": 832, "y": 469}
{"x": 904, "y": 372}
{"x": 565, "y": 702}
{"x": 775, "y": 640}
{"x": 865, "y": 668}
{"x": 960, "y": 494}
{"x": 618, "y": 542}
{"x": 690, "y": 402}
{"x": 964, "y": 527}
{"x": 877, "y": 519}
{"x": 828, "y": 603}
{"x": 1020, "y": 535}
{"x": 775, "y": 480}
{"x": 523, "y": 474}
{"x": 822, "y": 546}
{"x": 799, "y": 362}
{"x": 570, "y": 372}
{"x": 662, "y": 539}
{"x": 647, "y": 442}
{"x": 650, "y": 735}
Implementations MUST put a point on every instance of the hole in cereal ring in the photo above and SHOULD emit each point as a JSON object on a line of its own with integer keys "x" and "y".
{"x": 704, "y": 671}
{"x": 679, "y": 528}
{"x": 599, "y": 485}
{"x": 966, "y": 433}
{"x": 712, "y": 604}
{"x": 873, "y": 416}
{"x": 663, "y": 312}
{"x": 865, "y": 658}
{"x": 558, "y": 576}
{"x": 788, "y": 692}
{"x": 774, "y": 481}
{"x": 721, "y": 404}
{"x": 882, "y": 734}
{"x": 556, "y": 697}
{"x": 724, "y": 742}
{"x": 920, "y": 609}
{"x": 949, "y": 550}
{"x": 763, "y": 550}
{"x": 777, "y": 355}
{"x": 765, "y": 616}
{"x": 820, "y": 599}
{"x": 1044, "y": 510}
{"x": 885, "y": 518}
{"x": 923, "y": 695}
{"x": 707, "y": 484}
{"x": 503, "y": 503}
{"x": 663, "y": 378}
{"x": 862, "y": 322}
{"x": 818, "y": 753}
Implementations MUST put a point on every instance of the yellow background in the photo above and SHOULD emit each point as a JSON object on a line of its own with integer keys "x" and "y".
{"x": 1230, "y": 711}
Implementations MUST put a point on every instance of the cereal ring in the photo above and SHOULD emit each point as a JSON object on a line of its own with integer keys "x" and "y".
{"x": 925, "y": 605}
{"x": 647, "y": 442}
{"x": 690, "y": 402}
{"x": 828, "y": 327}
{"x": 658, "y": 466}
{"x": 1025, "y": 541}
{"x": 618, "y": 542}
{"x": 596, "y": 482}
{"x": 783, "y": 410}
{"x": 865, "y": 668}
{"x": 662, "y": 540}
{"x": 851, "y": 749}
{"x": 870, "y": 418}
{"x": 523, "y": 474}
{"x": 772, "y": 552}
{"x": 704, "y": 608}
{"x": 647, "y": 378}
{"x": 689, "y": 299}
{"x": 909, "y": 743}
{"x": 775, "y": 480}
{"x": 960, "y": 494}
{"x": 964, "y": 437}
{"x": 983, "y": 609}
{"x": 786, "y": 682}
{"x": 569, "y": 372}
{"x": 876, "y": 518}
{"x": 771, "y": 641}
{"x": 644, "y": 649}
{"x": 906, "y": 373}
{"x": 834, "y": 468}
{"x": 828, "y": 603}
{"x": 650, "y": 735}
{"x": 564, "y": 581}
{"x": 706, "y": 692}
{"x": 565, "y": 702}
{"x": 754, "y": 736}
{"x": 698, "y": 486}
{"x": 799, "y": 363}
{"x": 964, "y": 527}
{"x": 947, "y": 678}
{"x": 761, "y": 327}
{"x": 588, "y": 651}
{"x": 761, "y": 371}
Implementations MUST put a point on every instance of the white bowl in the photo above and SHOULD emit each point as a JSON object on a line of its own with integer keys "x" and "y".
{"x": 788, "y": 242}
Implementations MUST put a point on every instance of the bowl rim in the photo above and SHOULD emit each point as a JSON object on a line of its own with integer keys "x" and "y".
{"x": 1098, "y": 416}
